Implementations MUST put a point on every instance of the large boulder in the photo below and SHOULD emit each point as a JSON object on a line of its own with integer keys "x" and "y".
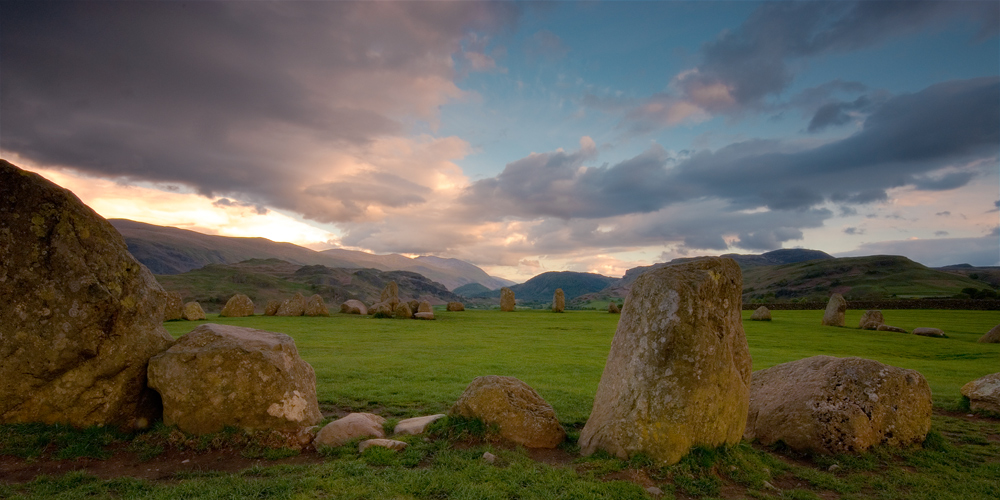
{"x": 193, "y": 312}
{"x": 79, "y": 316}
{"x": 220, "y": 375}
{"x": 350, "y": 427}
{"x": 316, "y": 306}
{"x": 678, "y": 373}
{"x": 521, "y": 414}
{"x": 382, "y": 310}
{"x": 835, "y": 309}
{"x": 354, "y": 307}
{"x": 238, "y": 306}
{"x": 295, "y": 306}
{"x": 559, "y": 301}
{"x": 762, "y": 313}
{"x": 173, "y": 306}
{"x": 984, "y": 393}
{"x": 506, "y": 299}
{"x": 871, "y": 320}
{"x": 455, "y": 306}
{"x": 991, "y": 337}
{"x": 833, "y": 405}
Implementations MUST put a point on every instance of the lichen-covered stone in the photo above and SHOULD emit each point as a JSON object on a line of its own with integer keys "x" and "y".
{"x": 382, "y": 310}
{"x": 456, "y": 306}
{"x": 834, "y": 405}
{"x": 521, "y": 414}
{"x": 193, "y": 311}
{"x": 295, "y": 306}
{"x": 991, "y": 337}
{"x": 929, "y": 332}
{"x": 79, "y": 316}
{"x": 403, "y": 311}
{"x": 762, "y": 313}
{"x": 835, "y": 309}
{"x": 984, "y": 393}
{"x": 238, "y": 306}
{"x": 414, "y": 305}
{"x": 558, "y": 301}
{"x": 871, "y": 320}
{"x": 173, "y": 308}
{"x": 316, "y": 306}
{"x": 272, "y": 307}
{"x": 354, "y": 307}
{"x": 221, "y": 375}
{"x": 424, "y": 307}
{"x": 678, "y": 373}
{"x": 350, "y": 427}
{"x": 390, "y": 295}
{"x": 613, "y": 308}
{"x": 506, "y": 299}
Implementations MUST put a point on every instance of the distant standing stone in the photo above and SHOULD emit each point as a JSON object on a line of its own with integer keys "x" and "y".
{"x": 424, "y": 307}
{"x": 316, "y": 306}
{"x": 613, "y": 308}
{"x": 390, "y": 295}
{"x": 871, "y": 320}
{"x": 427, "y": 315}
{"x": 456, "y": 306}
{"x": 238, "y": 306}
{"x": 295, "y": 306}
{"x": 403, "y": 311}
{"x": 354, "y": 307}
{"x": 272, "y": 307}
{"x": 984, "y": 393}
{"x": 193, "y": 311}
{"x": 174, "y": 307}
{"x": 559, "y": 301}
{"x": 414, "y": 305}
{"x": 835, "y": 309}
{"x": 991, "y": 337}
{"x": 506, "y": 299}
{"x": 762, "y": 313}
{"x": 929, "y": 332}
{"x": 521, "y": 414}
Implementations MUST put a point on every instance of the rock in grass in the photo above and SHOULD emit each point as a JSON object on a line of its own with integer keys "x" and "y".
{"x": 558, "y": 301}
{"x": 221, "y": 375}
{"x": 173, "y": 307}
{"x": 871, "y": 320}
{"x": 456, "y": 306}
{"x": 238, "y": 306}
{"x": 354, "y": 307}
{"x": 391, "y": 444}
{"x": 991, "y": 337}
{"x": 416, "y": 425}
{"x": 350, "y": 427}
{"x": 403, "y": 311}
{"x": 424, "y": 307}
{"x": 889, "y": 328}
{"x": 834, "y": 405}
{"x": 521, "y": 414}
{"x": 506, "y": 299}
{"x": 79, "y": 316}
{"x": 678, "y": 373}
{"x": 835, "y": 309}
{"x": 193, "y": 311}
{"x": 428, "y": 315}
{"x": 984, "y": 393}
{"x": 381, "y": 310}
{"x": 272, "y": 307}
{"x": 316, "y": 306}
{"x": 929, "y": 332}
{"x": 613, "y": 308}
{"x": 295, "y": 306}
{"x": 761, "y": 314}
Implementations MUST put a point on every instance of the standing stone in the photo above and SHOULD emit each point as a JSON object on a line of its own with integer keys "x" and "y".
{"x": 506, "y": 299}
{"x": 316, "y": 307}
{"x": 833, "y": 405}
{"x": 295, "y": 306}
{"x": 381, "y": 310}
{"x": 403, "y": 311}
{"x": 238, "y": 306}
{"x": 871, "y": 320}
{"x": 761, "y": 314}
{"x": 991, "y": 337}
{"x": 414, "y": 305}
{"x": 221, "y": 375}
{"x": 79, "y": 316}
{"x": 272, "y": 307}
{"x": 521, "y": 414}
{"x": 390, "y": 294}
{"x": 835, "y": 309}
{"x": 193, "y": 311}
{"x": 174, "y": 306}
{"x": 456, "y": 306}
{"x": 984, "y": 393}
{"x": 613, "y": 308}
{"x": 678, "y": 373}
{"x": 354, "y": 307}
{"x": 559, "y": 301}
{"x": 425, "y": 307}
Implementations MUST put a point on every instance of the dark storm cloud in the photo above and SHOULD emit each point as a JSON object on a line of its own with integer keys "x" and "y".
{"x": 227, "y": 97}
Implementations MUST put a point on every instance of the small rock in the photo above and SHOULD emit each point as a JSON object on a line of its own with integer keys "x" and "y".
{"x": 653, "y": 490}
{"x": 456, "y": 306}
{"x": 770, "y": 486}
{"x": 871, "y": 320}
{"x": 383, "y": 443}
{"x": 416, "y": 425}
{"x": 761, "y": 314}
{"x": 193, "y": 312}
{"x": 186, "y": 461}
{"x": 489, "y": 457}
{"x": 888, "y": 328}
{"x": 929, "y": 332}
{"x": 426, "y": 315}
{"x": 350, "y": 427}
{"x": 833, "y": 468}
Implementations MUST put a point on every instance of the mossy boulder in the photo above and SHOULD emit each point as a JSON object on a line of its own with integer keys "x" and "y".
{"x": 193, "y": 312}
{"x": 984, "y": 393}
{"x": 762, "y": 313}
{"x": 871, "y": 320}
{"x": 354, "y": 307}
{"x": 295, "y": 306}
{"x": 455, "y": 306}
{"x": 238, "y": 306}
{"x": 173, "y": 308}
{"x": 521, "y": 414}
{"x": 316, "y": 306}
{"x": 558, "y": 301}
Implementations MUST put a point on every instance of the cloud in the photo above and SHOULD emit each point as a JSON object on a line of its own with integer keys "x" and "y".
{"x": 545, "y": 45}
{"x": 938, "y": 252}
{"x": 854, "y": 231}
{"x": 226, "y": 202}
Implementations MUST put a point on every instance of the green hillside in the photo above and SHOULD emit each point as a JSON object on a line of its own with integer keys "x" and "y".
{"x": 542, "y": 287}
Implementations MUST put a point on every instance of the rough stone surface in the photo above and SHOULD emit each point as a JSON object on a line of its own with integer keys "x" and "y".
{"x": 613, "y": 308}
{"x": 238, "y": 306}
{"x": 295, "y": 306}
{"x": 354, "y": 307}
{"x": 424, "y": 307}
{"x": 489, "y": 457}
{"x": 79, "y": 316}
{"x": 991, "y": 337}
{"x": 390, "y": 294}
{"x": 391, "y": 444}
{"x": 889, "y": 328}
{"x": 193, "y": 312}
{"x": 984, "y": 393}
{"x": 381, "y": 310}
{"x": 423, "y": 316}
{"x": 559, "y": 301}
{"x": 416, "y": 425}
{"x": 316, "y": 306}
{"x": 219, "y": 375}
{"x": 761, "y": 314}
{"x": 929, "y": 332}
{"x": 506, "y": 299}
{"x": 414, "y": 305}
{"x": 835, "y": 309}
{"x": 173, "y": 306}
{"x": 403, "y": 311}
{"x": 678, "y": 373}
{"x": 871, "y": 320}
{"x": 833, "y": 405}
{"x": 456, "y": 306}
{"x": 352, "y": 426}
{"x": 272, "y": 307}
{"x": 521, "y": 414}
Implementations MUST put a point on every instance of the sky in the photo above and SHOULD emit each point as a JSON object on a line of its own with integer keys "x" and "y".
{"x": 522, "y": 137}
